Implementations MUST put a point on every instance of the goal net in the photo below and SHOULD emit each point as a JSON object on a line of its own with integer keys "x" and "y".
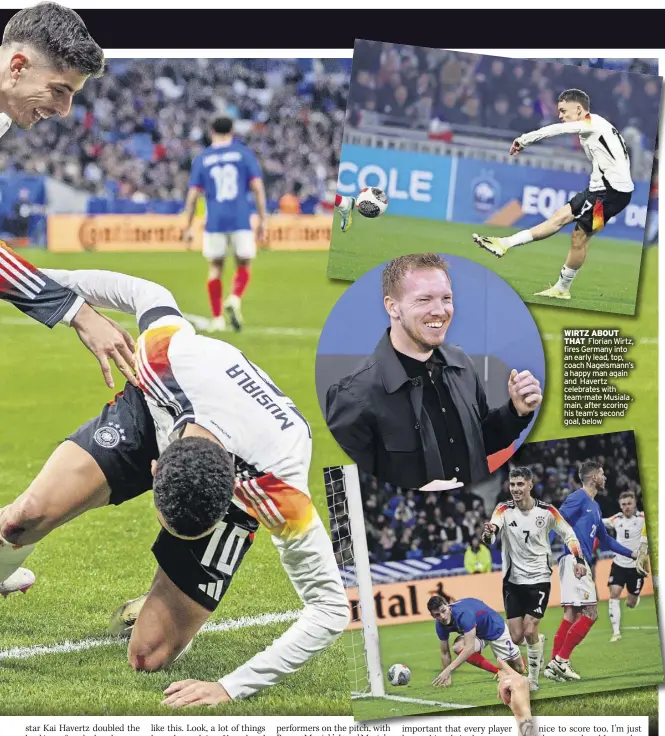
{"x": 347, "y": 526}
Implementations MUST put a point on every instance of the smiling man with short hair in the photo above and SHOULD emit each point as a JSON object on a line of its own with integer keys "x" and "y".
{"x": 415, "y": 411}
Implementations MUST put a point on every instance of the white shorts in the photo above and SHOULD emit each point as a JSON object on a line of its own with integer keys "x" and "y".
{"x": 241, "y": 242}
{"x": 575, "y": 591}
{"x": 504, "y": 647}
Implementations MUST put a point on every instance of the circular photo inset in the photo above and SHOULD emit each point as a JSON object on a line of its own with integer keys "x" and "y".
{"x": 430, "y": 371}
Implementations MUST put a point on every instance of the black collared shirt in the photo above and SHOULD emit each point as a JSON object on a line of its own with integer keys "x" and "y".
{"x": 443, "y": 414}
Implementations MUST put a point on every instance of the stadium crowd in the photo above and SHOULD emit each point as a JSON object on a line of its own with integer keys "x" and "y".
{"x": 407, "y": 524}
{"x": 134, "y": 132}
{"x": 411, "y": 86}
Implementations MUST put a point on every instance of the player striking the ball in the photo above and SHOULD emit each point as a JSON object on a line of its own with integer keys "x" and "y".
{"x": 525, "y": 525}
{"x": 630, "y": 529}
{"x": 226, "y": 173}
{"x": 228, "y": 450}
{"x": 480, "y": 625}
{"x": 609, "y": 191}
{"x": 578, "y": 595}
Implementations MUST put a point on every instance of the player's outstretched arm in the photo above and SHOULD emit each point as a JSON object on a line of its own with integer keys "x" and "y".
{"x": 561, "y": 527}
{"x": 144, "y": 299}
{"x": 607, "y": 542}
{"x": 550, "y": 131}
{"x": 309, "y": 561}
{"x": 469, "y": 648}
{"x": 33, "y": 292}
{"x": 46, "y": 300}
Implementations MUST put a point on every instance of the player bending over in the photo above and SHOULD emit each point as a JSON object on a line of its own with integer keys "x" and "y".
{"x": 480, "y": 625}
{"x": 201, "y": 408}
{"x": 608, "y": 193}
{"x": 226, "y": 173}
{"x": 578, "y": 595}
{"x": 631, "y": 530}
{"x": 525, "y": 525}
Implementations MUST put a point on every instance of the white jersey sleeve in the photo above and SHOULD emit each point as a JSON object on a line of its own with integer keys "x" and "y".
{"x": 603, "y": 146}
{"x": 549, "y": 131}
{"x": 144, "y": 299}
{"x": 306, "y": 553}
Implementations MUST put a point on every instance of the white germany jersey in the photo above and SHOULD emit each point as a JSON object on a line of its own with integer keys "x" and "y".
{"x": 525, "y": 544}
{"x": 629, "y": 533}
{"x": 191, "y": 378}
{"x": 603, "y": 146}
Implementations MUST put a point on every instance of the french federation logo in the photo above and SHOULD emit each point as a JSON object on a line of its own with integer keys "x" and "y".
{"x": 109, "y": 436}
{"x": 486, "y": 192}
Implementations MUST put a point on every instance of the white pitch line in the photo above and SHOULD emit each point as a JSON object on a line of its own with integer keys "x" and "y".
{"x": 66, "y": 647}
{"x": 403, "y": 699}
{"x": 199, "y": 322}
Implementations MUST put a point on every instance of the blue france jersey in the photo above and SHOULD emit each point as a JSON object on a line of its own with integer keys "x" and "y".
{"x": 223, "y": 173}
{"x": 470, "y": 612}
{"x": 584, "y": 515}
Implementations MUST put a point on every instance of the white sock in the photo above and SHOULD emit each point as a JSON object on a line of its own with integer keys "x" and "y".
{"x": 11, "y": 557}
{"x": 566, "y": 278}
{"x": 615, "y": 615}
{"x": 534, "y": 653}
{"x": 520, "y": 238}
{"x": 345, "y": 204}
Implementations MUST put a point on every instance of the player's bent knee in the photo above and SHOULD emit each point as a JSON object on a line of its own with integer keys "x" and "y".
{"x": 631, "y": 603}
{"x": 591, "y": 613}
{"x": 151, "y": 657}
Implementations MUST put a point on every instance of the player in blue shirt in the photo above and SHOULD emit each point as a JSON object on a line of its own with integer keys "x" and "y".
{"x": 226, "y": 173}
{"x": 479, "y": 625}
{"x": 578, "y": 595}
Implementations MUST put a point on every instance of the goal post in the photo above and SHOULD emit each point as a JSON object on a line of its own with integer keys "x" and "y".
{"x": 347, "y": 523}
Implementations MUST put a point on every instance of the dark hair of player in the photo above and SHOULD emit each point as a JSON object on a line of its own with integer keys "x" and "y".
{"x": 627, "y": 494}
{"x": 59, "y": 34}
{"x": 435, "y": 603}
{"x": 576, "y": 95}
{"x": 397, "y": 269}
{"x": 521, "y": 473}
{"x": 588, "y": 467}
{"x": 222, "y": 126}
{"x": 193, "y": 485}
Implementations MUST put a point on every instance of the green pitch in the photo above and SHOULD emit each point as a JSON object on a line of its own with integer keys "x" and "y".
{"x": 86, "y": 569}
{"x": 607, "y": 282}
{"x": 632, "y": 662}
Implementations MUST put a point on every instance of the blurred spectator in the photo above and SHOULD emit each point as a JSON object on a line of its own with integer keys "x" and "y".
{"x": 451, "y": 531}
{"x": 412, "y": 525}
{"x": 134, "y": 132}
{"x": 477, "y": 558}
{"x": 510, "y": 96}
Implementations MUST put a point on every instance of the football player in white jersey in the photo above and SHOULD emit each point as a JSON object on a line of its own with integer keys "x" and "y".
{"x": 609, "y": 191}
{"x": 629, "y": 527}
{"x": 228, "y": 450}
{"x": 525, "y": 524}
